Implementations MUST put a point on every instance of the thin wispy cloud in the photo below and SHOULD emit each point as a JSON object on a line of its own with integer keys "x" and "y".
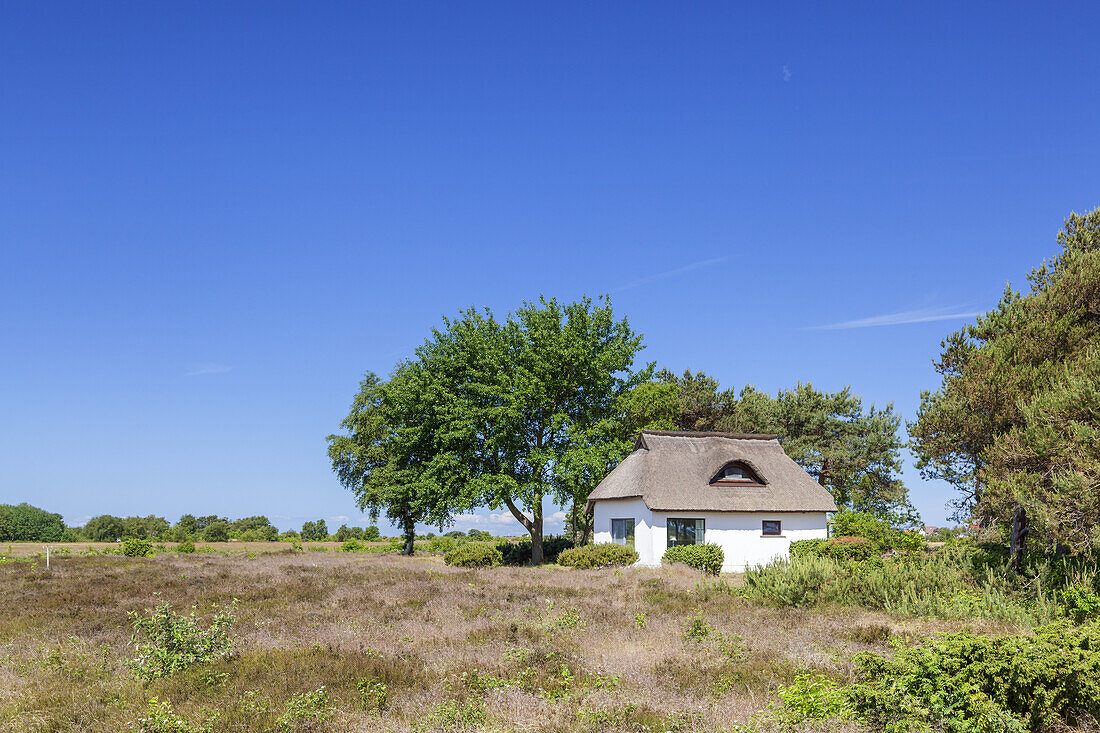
{"x": 920, "y": 315}
{"x": 670, "y": 273}
{"x": 786, "y": 73}
{"x": 203, "y": 370}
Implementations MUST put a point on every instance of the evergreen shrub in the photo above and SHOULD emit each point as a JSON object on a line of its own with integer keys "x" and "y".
{"x": 474, "y": 555}
{"x": 598, "y": 556}
{"x": 708, "y": 558}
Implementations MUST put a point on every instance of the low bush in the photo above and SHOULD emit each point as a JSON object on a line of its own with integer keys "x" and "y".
{"x": 598, "y": 556}
{"x": 962, "y": 682}
{"x": 519, "y": 553}
{"x": 441, "y": 544}
{"x": 935, "y": 585}
{"x": 167, "y": 642}
{"x": 352, "y": 545}
{"x": 134, "y": 547}
{"x": 800, "y": 548}
{"x": 848, "y": 548}
{"x": 708, "y": 558}
{"x": 474, "y": 555}
{"x": 186, "y": 547}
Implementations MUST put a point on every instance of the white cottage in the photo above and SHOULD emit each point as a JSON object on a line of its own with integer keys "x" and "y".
{"x": 739, "y": 491}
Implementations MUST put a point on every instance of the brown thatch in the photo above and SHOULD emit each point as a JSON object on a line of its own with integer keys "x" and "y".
{"x": 673, "y": 471}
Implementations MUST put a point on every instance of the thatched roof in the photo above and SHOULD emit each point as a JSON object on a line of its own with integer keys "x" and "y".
{"x": 673, "y": 471}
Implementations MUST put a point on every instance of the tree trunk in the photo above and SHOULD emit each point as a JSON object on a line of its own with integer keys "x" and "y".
{"x": 575, "y": 540}
{"x": 821, "y": 474}
{"x": 534, "y": 526}
{"x": 1017, "y": 542}
{"x": 536, "y": 536}
{"x": 410, "y": 535}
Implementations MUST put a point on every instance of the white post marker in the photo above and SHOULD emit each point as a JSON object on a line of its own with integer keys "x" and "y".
{"x": 47, "y": 557}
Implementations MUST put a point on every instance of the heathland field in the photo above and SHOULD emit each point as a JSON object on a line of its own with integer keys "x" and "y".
{"x": 328, "y": 641}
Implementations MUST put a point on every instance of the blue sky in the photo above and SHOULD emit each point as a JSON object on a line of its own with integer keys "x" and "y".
{"x": 214, "y": 218}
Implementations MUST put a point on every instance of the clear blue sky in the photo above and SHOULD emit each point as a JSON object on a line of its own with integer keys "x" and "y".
{"x": 214, "y": 218}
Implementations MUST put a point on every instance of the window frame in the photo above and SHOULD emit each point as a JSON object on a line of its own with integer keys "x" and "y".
{"x": 749, "y": 476}
{"x": 699, "y": 530}
{"x": 627, "y": 538}
{"x": 778, "y": 527}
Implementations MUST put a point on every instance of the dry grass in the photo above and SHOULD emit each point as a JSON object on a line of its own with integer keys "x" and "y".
{"x": 527, "y": 649}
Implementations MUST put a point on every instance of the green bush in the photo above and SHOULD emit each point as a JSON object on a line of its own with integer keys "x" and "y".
{"x": 962, "y": 683}
{"x": 940, "y": 584}
{"x": 844, "y": 547}
{"x": 186, "y": 547}
{"x": 474, "y": 555}
{"x": 134, "y": 547}
{"x": 708, "y": 558}
{"x": 441, "y": 544}
{"x": 598, "y": 556}
{"x": 800, "y": 548}
{"x": 352, "y": 545}
{"x": 1080, "y": 602}
{"x": 519, "y": 553}
{"x": 167, "y": 642}
{"x": 884, "y": 537}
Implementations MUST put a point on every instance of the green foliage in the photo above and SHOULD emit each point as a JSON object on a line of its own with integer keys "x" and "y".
{"x": 474, "y": 555}
{"x": 837, "y": 548}
{"x": 373, "y": 694}
{"x": 25, "y": 523}
{"x": 304, "y": 709}
{"x": 135, "y": 547}
{"x": 879, "y": 532}
{"x": 1081, "y": 602}
{"x": 945, "y": 584}
{"x": 962, "y": 683}
{"x": 708, "y": 558}
{"x": 315, "y": 531}
{"x": 371, "y": 534}
{"x": 161, "y": 718}
{"x": 811, "y": 696}
{"x": 493, "y": 413}
{"x": 442, "y": 544}
{"x": 598, "y": 556}
{"x": 104, "y": 528}
{"x": 1013, "y": 425}
{"x": 519, "y": 553}
{"x": 352, "y": 546}
{"x": 166, "y": 642}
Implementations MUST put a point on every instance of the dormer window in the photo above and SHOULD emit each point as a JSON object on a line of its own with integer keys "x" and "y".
{"x": 736, "y": 472}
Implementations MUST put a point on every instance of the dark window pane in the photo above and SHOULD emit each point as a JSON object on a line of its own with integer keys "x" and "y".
{"x": 771, "y": 527}
{"x": 622, "y": 532}
{"x": 685, "y": 532}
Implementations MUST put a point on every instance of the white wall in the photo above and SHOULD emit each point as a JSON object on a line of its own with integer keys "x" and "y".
{"x": 606, "y": 510}
{"x": 737, "y": 533}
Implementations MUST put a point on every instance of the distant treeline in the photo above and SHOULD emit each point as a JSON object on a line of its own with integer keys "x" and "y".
{"x": 25, "y": 523}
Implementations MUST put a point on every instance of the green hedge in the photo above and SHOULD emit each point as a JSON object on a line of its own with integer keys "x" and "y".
{"x": 474, "y": 555}
{"x": 186, "y": 547}
{"x": 708, "y": 558}
{"x": 519, "y": 553}
{"x": 963, "y": 682}
{"x": 837, "y": 548}
{"x": 134, "y": 547}
{"x": 598, "y": 556}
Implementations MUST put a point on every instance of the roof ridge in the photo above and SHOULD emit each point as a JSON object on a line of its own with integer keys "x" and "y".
{"x": 710, "y": 434}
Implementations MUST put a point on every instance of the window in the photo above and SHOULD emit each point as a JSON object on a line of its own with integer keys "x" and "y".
{"x": 771, "y": 528}
{"x": 685, "y": 532}
{"x": 737, "y": 472}
{"x": 622, "y": 532}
